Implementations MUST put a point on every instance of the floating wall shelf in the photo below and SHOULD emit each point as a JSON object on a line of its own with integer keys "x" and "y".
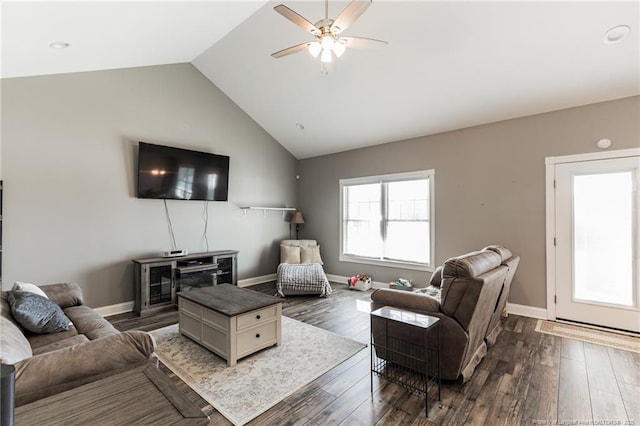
{"x": 265, "y": 209}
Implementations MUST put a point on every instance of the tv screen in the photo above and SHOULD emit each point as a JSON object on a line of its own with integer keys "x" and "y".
{"x": 165, "y": 172}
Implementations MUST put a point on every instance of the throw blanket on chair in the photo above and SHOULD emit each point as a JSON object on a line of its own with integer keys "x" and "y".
{"x": 308, "y": 278}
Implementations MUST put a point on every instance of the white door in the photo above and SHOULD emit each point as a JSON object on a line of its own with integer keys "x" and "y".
{"x": 597, "y": 227}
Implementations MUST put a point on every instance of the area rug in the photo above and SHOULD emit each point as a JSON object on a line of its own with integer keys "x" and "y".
{"x": 591, "y": 335}
{"x": 259, "y": 381}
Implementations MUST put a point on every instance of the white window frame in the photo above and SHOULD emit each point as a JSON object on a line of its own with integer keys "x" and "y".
{"x": 422, "y": 174}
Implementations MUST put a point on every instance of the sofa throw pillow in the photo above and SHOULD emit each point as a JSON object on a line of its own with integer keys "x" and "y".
{"x": 31, "y": 288}
{"x": 289, "y": 254}
{"x": 14, "y": 347}
{"x": 310, "y": 255}
{"x": 37, "y": 314}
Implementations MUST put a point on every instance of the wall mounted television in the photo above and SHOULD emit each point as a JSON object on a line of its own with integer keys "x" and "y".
{"x": 166, "y": 172}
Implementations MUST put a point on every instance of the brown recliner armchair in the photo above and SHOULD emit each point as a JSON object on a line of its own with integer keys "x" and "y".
{"x": 468, "y": 294}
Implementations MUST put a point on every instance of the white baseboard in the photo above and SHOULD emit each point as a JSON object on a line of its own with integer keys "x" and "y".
{"x": 119, "y": 308}
{"x": 341, "y": 279}
{"x": 122, "y": 308}
{"x": 527, "y": 311}
{"x": 344, "y": 280}
{"x": 257, "y": 280}
{"x": 513, "y": 308}
{"x": 524, "y": 310}
{"x": 378, "y": 284}
{"x": 337, "y": 278}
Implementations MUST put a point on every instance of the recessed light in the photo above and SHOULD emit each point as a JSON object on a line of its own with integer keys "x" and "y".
{"x": 59, "y": 45}
{"x": 616, "y": 33}
{"x": 299, "y": 126}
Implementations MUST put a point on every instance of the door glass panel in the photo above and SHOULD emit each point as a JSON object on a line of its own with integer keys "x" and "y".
{"x": 602, "y": 237}
{"x": 159, "y": 284}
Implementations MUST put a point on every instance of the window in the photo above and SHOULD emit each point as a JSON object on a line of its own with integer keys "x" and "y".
{"x": 388, "y": 220}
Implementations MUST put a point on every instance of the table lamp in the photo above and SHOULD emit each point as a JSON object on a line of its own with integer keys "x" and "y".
{"x": 298, "y": 219}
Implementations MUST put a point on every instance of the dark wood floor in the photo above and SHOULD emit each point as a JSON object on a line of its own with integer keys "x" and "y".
{"x": 526, "y": 378}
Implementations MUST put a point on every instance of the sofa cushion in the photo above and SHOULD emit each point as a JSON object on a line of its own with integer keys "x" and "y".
{"x": 59, "y": 344}
{"x": 64, "y": 294}
{"x": 89, "y": 322}
{"x": 471, "y": 264}
{"x": 504, "y": 252}
{"x": 463, "y": 279}
{"x": 5, "y": 308}
{"x": 32, "y": 288}
{"x": 37, "y": 313}
{"x": 310, "y": 255}
{"x": 289, "y": 254}
{"x": 38, "y": 341}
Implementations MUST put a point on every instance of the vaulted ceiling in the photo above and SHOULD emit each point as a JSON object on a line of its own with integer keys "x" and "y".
{"x": 448, "y": 64}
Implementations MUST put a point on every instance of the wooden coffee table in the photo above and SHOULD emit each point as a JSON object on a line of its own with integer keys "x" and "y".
{"x": 230, "y": 321}
{"x": 141, "y": 396}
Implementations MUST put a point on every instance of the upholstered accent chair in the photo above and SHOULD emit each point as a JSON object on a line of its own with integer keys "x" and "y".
{"x": 300, "y": 271}
{"x": 468, "y": 294}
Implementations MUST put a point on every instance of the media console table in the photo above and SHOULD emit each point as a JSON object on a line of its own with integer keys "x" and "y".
{"x": 159, "y": 279}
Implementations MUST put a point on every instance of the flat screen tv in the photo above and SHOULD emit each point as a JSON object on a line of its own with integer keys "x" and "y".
{"x": 166, "y": 172}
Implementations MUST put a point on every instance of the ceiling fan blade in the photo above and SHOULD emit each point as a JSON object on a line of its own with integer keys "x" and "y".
{"x": 296, "y": 19}
{"x": 349, "y": 15}
{"x": 363, "y": 42}
{"x": 290, "y": 50}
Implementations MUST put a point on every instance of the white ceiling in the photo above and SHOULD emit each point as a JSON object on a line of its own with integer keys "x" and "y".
{"x": 448, "y": 65}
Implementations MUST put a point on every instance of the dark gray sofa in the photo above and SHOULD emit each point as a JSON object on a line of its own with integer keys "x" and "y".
{"x": 468, "y": 294}
{"x": 91, "y": 349}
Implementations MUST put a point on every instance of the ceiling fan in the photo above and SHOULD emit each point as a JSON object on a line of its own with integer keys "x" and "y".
{"x": 328, "y": 44}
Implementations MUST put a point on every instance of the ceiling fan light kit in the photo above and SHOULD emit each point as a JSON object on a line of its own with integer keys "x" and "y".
{"x": 339, "y": 48}
{"x": 314, "y": 48}
{"x": 328, "y": 44}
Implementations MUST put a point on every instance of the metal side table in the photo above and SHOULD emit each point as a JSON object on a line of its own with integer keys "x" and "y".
{"x": 406, "y": 362}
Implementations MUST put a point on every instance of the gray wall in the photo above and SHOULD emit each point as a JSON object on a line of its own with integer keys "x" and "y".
{"x": 489, "y": 186}
{"x": 71, "y": 214}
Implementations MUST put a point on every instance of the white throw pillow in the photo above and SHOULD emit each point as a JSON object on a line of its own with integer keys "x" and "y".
{"x": 289, "y": 254}
{"x": 31, "y": 288}
{"x": 310, "y": 255}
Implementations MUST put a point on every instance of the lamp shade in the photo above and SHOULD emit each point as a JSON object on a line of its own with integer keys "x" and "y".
{"x": 297, "y": 218}
{"x": 314, "y": 48}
